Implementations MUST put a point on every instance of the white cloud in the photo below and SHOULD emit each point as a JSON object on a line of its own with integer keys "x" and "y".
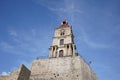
{"x": 94, "y": 44}
{"x": 5, "y": 73}
{"x": 25, "y": 42}
{"x": 67, "y": 10}
{"x": 90, "y": 42}
{"x": 6, "y": 46}
{"x": 33, "y": 32}
{"x": 62, "y": 8}
{"x": 12, "y": 49}
{"x": 13, "y": 33}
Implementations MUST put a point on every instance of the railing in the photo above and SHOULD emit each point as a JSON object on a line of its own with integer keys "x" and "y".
{"x": 42, "y": 57}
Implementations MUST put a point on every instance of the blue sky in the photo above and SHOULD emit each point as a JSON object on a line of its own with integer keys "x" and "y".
{"x": 26, "y": 25}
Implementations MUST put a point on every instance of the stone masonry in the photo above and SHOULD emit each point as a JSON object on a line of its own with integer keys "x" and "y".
{"x": 19, "y": 74}
{"x": 65, "y": 68}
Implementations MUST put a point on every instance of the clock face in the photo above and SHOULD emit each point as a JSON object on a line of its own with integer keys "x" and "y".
{"x": 62, "y": 30}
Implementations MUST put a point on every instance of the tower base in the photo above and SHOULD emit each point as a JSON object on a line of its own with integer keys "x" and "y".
{"x": 63, "y": 68}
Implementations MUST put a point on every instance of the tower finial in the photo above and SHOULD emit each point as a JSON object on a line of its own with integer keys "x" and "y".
{"x": 65, "y": 21}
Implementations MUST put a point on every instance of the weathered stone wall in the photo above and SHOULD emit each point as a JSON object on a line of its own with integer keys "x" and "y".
{"x": 12, "y": 76}
{"x": 4, "y": 77}
{"x": 24, "y": 73}
{"x": 19, "y": 74}
{"x": 64, "y": 68}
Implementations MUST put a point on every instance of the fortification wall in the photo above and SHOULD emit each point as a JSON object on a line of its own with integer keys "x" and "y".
{"x": 19, "y": 74}
{"x": 24, "y": 73}
{"x": 12, "y": 76}
{"x": 65, "y": 68}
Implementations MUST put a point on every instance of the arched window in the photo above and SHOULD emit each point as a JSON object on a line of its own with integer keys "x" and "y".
{"x": 61, "y": 53}
{"x": 61, "y": 41}
{"x": 62, "y": 33}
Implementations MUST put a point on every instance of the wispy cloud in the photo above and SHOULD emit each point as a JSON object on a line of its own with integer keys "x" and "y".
{"x": 5, "y": 73}
{"x": 106, "y": 68}
{"x": 9, "y": 48}
{"x": 22, "y": 43}
{"x": 6, "y": 46}
{"x": 12, "y": 33}
{"x": 85, "y": 37}
{"x": 25, "y": 44}
{"x": 33, "y": 32}
{"x": 69, "y": 9}
{"x": 62, "y": 8}
{"x": 94, "y": 44}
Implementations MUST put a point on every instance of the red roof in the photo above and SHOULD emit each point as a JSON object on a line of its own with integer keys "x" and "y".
{"x": 64, "y": 24}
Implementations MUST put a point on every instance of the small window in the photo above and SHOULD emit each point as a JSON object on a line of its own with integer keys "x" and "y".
{"x": 61, "y": 41}
{"x": 62, "y": 34}
{"x": 61, "y": 53}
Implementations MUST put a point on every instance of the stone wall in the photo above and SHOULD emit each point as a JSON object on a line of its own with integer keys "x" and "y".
{"x": 4, "y": 77}
{"x": 12, "y": 76}
{"x": 19, "y": 74}
{"x": 24, "y": 73}
{"x": 64, "y": 68}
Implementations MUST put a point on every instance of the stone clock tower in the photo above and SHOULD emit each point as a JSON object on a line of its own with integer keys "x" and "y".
{"x": 63, "y": 42}
{"x": 63, "y": 62}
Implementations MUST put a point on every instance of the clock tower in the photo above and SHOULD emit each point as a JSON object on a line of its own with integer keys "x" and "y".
{"x": 63, "y": 42}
